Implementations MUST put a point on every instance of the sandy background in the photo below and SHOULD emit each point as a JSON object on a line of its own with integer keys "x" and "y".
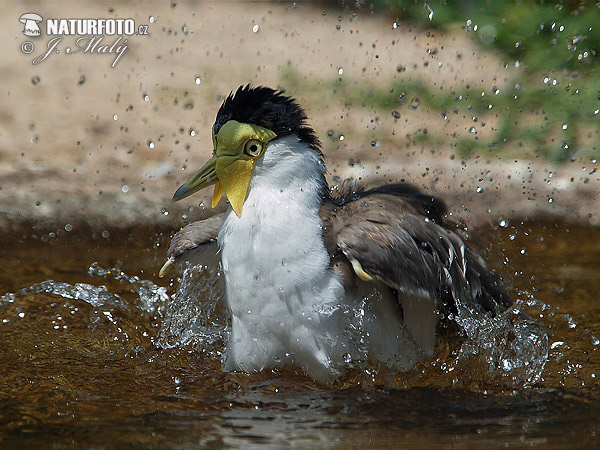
{"x": 81, "y": 141}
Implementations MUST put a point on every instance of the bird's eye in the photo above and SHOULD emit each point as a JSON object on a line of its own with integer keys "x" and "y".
{"x": 253, "y": 147}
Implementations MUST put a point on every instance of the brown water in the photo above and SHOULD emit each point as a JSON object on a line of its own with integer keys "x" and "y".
{"x": 103, "y": 357}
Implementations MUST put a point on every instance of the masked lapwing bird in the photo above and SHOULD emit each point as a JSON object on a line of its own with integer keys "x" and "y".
{"x": 315, "y": 277}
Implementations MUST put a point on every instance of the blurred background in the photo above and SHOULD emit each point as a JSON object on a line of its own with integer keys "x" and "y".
{"x": 492, "y": 104}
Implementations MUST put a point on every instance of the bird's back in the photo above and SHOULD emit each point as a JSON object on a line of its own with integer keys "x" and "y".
{"x": 403, "y": 237}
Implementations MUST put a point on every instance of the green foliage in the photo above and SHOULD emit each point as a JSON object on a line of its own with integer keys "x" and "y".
{"x": 551, "y": 107}
{"x": 542, "y": 119}
{"x": 542, "y": 35}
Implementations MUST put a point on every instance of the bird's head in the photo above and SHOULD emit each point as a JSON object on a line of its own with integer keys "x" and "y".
{"x": 247, "y": 122}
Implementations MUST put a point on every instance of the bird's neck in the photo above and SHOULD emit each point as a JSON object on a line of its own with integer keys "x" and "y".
{"x": 286, "y": 192}
{"x": 276, "y": 269}
{"x": 292, "y": 167}
{"x": 278, "y": 239}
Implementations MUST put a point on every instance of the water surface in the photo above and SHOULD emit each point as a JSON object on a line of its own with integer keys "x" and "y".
{"x": 97, "y": 351}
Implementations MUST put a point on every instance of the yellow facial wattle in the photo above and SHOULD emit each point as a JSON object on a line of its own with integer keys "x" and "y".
{"x": 237, "y": 148}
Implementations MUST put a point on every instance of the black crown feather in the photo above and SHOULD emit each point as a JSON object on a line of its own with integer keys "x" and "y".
{"x": 268, "y": 108}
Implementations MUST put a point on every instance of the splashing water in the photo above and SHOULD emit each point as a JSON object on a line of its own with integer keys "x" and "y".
{"x": 151, "y": 298}
{"x": 194, "y": 316}
{"x": 102, "y": 337}
{"x": 512, "y": 347}
{"x": 94, "y": 295}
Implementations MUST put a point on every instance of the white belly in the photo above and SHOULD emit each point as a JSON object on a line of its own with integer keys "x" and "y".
{"x": 287, "y": 307}
{"x": 283, "y": 300}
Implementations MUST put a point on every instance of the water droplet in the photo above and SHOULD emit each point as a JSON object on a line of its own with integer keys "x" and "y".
{"x": 504, "y": 223}
{"x": 185, "y": 30}
{"x": 340, "y": 71}
{"x": 105, "y": 234}
{"x": 35, "y": 80}
{"x": 81, "y": 80}
{"x": 164, "y": 212}
{"x": 414, "y": 103}
{"x": 341, "y": 137}
{"x": 68, "y": 227}
{"x": 347, "y": 358}
{"x": 192, "y": 132}
{"x": 480, "y": 190}
{"x": 395, "y": 114}
{"x": 430, "y": 15}
{"x": 550, "y": 200}
{"x": 472, "y": 130}
{"x": 151, "y": 19}
{"x": 125, "y": 189}
{"x": 375, "y": 143}
{"x": 115, "y": 117}
{"x": 255, "y": 28}
{"x": 565, "y": 126}
{"x": 197, "y": 80}
{"x": 21, "y": 315}
{"x": 523, "y": 251}
{"x": 146, "y": 97}
{"x": 150, "y": 144}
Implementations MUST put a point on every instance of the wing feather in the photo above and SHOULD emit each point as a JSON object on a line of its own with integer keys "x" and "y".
{"x": 398, "y": 236}
{"x": 196, "y": 243}
{"x": 194, "y": 235}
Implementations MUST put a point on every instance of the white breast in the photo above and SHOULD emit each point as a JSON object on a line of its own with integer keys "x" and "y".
{"x": 284, "y": 302}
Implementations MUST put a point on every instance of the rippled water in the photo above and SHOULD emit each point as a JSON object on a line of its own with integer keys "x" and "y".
{"x": 96, "y": 350}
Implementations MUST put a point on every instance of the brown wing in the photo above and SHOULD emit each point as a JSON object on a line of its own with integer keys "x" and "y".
{"x": 196, "y": 242}
{"x": 398, "y": 236}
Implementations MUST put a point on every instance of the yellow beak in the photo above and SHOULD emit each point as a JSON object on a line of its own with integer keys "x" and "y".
{"x": 230, "y": 174}
{"x": 205, "y": 177}
{"x": 230, "y": 169}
